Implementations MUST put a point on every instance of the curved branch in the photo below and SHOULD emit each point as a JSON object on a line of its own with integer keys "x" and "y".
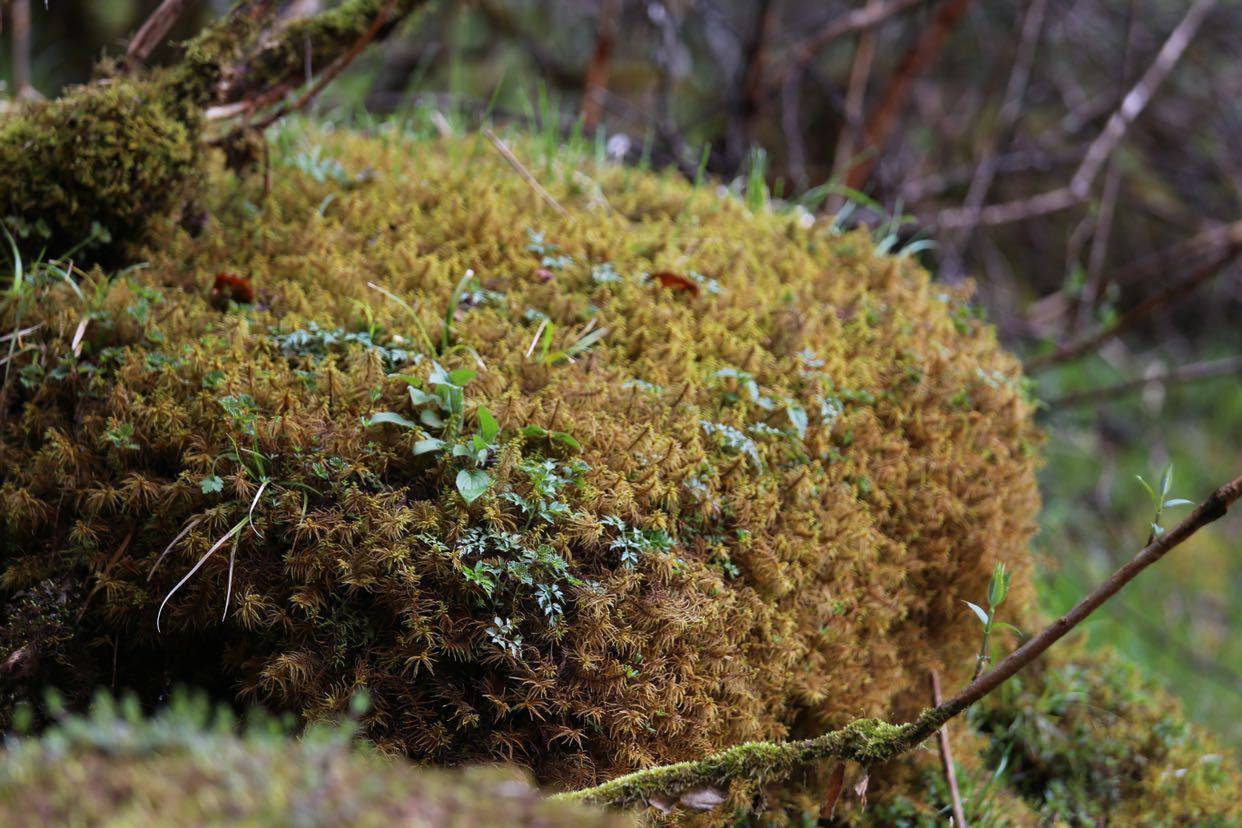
{"x": 868, "y": 741}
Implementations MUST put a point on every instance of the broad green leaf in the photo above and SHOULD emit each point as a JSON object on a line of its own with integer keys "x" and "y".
{"x": 979, "y": 611}
{"x": 489, "y": 429}
{"x": 211, "y": 484}
{"x": 430, "y": 418}
{"x": 389, "y": 417}
{"x": 421, "y": 397}
{"x": 428, "y": 445}
{"x": 461, "y": 376}
{"x": 472, "y": 483}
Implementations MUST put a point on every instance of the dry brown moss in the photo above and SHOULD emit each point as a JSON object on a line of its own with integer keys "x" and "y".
{"x": 777, "y": 491}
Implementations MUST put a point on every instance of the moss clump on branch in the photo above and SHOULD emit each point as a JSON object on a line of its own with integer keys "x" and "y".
{"x": 101, "y": 164}
{"x": 93, "y": 171}
{"x": 192, "y": 765}
{"x": 560, "y": 511}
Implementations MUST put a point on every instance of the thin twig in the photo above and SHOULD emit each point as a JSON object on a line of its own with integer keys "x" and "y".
{"x": 595, "y": 89}
{"x": 335, "y": 68}
{"x": 855, "y": 97}
{"x": 1166, "y": 296}
{"x": 1011, "y": 110}
{"x": 921, "y": 55}
{"x": 507, "y": 154}
{"x": 153, "y": 31}
{"x": 804, "y": 52}
{"x": 1229, "y": 366}
{"x": 869, "y": 741}
{"x": 946, "y": 756}
{"x": 1104, "y": 145}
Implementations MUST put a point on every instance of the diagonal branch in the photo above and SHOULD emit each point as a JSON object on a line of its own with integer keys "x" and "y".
{"x": 153, "y": 32}
{"x": 869, "y": 741}
{"x": 1104, "y": 145}
{"x": 1198, "y": 277}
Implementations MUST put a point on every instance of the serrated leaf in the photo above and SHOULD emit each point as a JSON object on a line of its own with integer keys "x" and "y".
{"x": 428, "y": 445}
{"x": 212, "y": 484}
{"x": 389, "y": 417}
{"x": 472, "y": 483}
{"x": 979, "y": 611}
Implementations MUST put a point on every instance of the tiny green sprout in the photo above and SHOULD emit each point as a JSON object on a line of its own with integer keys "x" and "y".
{"x": 211, "y": 484}
{"x": 1160, "y": 500}
{"x": 998, "y": 589}
{"x": 122, "y": 436}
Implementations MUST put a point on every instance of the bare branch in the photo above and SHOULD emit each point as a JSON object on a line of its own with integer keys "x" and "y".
{"x": 153, "y": 31}
{"x": 1168, "y": 295}
{"x": 920, "y": 56}
{"x": 1104, "y": 145}
{"x": 873, "y": 14}
{"x": 946, "y": 757}
{"x": 1229, "y": 366}
{"x": 596, "y": 86}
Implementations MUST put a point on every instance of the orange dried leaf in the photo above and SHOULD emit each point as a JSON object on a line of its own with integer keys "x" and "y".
{"x": 675, "y": 282}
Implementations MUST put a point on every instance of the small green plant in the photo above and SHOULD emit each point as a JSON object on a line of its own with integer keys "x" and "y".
{"x": 1160, "y": 500}
{"x": 998, "y": 588}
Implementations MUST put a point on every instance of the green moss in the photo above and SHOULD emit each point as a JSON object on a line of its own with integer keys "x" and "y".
{"x": 98, "y": 166}
{"x": 542, "y": 582}
{"x": 192, "y": 765}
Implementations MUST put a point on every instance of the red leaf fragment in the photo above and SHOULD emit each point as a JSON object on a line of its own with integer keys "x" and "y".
{"x": 228, "y": 286}
{"x": 675, "y": 282}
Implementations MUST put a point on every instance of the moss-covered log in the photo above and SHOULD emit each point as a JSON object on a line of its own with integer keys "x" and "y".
{"x": 86, "y": 175}
{"x": 654, "y": 480}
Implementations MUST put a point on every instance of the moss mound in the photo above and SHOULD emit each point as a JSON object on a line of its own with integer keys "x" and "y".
{"x": 94, "y": 167}
{"x": 1080, "y": 740}
{"x": 583, "y": 491}
{"x": 190, "y": 766}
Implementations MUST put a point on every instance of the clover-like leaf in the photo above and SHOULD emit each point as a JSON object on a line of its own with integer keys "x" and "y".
{"x": 472, "y": 483}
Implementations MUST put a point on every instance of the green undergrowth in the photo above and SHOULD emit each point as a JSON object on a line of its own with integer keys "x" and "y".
{"x": 1078, "y": 741}
{"x": 193, "y": 764}
{"x": 587, "y": 492}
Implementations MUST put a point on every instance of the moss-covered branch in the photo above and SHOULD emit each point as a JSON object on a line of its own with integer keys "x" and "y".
{"x": 868, "y": 741}
{"x": 92, "y": 170}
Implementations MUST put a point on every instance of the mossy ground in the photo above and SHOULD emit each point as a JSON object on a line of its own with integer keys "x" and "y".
{"x": 192, "y": 765}
{"x": 742, "y": 500}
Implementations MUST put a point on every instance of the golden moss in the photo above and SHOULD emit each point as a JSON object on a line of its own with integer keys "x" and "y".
{"x": 741, "y": 502}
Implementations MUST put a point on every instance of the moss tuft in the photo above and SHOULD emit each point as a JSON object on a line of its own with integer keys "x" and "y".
{"x": 95, "y": 169}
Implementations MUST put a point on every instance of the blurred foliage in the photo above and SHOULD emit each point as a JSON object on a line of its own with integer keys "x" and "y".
{"x": 193, "y": 764}
{"x": 1181, "y": 623}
